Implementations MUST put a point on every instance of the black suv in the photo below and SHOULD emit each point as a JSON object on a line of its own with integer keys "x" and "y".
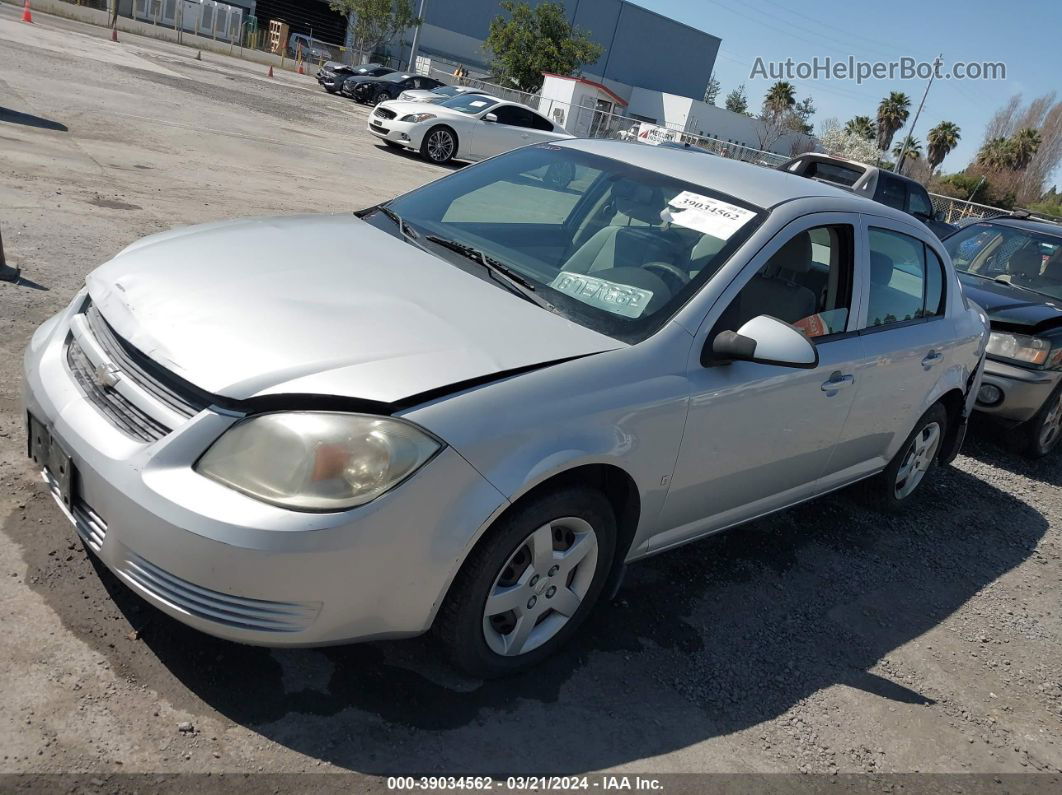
{"x": 1012, "y": 267}
{"x": 875, "y": 183}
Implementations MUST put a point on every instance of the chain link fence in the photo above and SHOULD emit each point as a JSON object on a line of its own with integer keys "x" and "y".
{"x": 956, "y": 210}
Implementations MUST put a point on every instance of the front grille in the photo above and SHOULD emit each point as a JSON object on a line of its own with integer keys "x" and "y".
{"x": 89, "y": 525}
{"x": 233, "y": 611}
{"x": 115, "y": 407}
{"x": 176, "y": 393}
{"x": 385, "y": 113}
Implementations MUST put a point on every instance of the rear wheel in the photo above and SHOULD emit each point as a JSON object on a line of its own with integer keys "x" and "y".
{"x": 1040, "y": 435}
{"x": 901, "y": 482}
{"x": 524, "y": 590}
{"x": 439, "y": 145}
{"x": 381, "y": 96}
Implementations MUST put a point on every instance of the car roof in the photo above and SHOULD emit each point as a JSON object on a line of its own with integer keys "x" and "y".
{"x": 764, "y": 187}
{"x": 1028, "y": 224}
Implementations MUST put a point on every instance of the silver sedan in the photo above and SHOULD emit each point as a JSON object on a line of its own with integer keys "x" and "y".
{"x": 468, "y": 408}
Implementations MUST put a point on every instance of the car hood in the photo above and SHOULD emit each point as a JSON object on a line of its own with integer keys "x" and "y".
{"x": 1013, "y": 306}
{"x": 324, "y": 305}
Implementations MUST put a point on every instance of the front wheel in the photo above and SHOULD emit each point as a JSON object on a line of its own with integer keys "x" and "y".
{"x": 1040, "y": 435}
{"x": 381, "y": 96}
{"x": 525, "y": 589}
{"x": 900, "y": 484}
{"x": 439, "y": 145}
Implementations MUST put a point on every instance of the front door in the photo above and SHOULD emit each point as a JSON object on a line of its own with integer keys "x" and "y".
{"x": 759, "y": 437}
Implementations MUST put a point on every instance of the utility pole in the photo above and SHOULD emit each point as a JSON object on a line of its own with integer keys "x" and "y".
{"x": 903, "y": 148}
{"x": 416, "y": 38}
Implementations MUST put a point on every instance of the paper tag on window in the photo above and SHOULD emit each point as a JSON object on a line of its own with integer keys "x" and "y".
{"x": 619, "y": 299}
{"x": 479, "y": 103}
{"x": 707, "y": 215}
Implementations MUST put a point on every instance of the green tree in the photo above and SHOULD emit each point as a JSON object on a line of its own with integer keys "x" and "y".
{"x": 738, "y": 101}
{"x": 533, "y": 41}
{"x": 892, "y": 115}
{"x": 1023, "y": 145}
{"x": 941, "y": 140}
{"x": 996, "y": 154}
{"x": 373, "y": 23}
{"x": 863, "y": 126}
{"x": 711, "y": 91}
{"x": 779, "y": 98}
{"x": 913, "y": 150}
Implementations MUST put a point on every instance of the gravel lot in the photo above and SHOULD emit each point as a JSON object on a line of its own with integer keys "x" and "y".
{"x": 825, "y": 639}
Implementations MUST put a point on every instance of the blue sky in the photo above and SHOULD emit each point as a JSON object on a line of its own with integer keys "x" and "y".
{"x": 1024, "y": 34}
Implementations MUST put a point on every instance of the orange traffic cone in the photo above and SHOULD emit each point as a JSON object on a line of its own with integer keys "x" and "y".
{"x": 270, "y": 70}
{"x": 27, "y": 15}
{"x": 114, "y": 32}
{"x": 301, "y": 72}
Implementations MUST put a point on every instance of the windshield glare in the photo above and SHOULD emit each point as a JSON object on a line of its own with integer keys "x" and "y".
{"x": 470, "y": 103}
{"x": 1017, "y": 256}
{"x": 613, "y": 247}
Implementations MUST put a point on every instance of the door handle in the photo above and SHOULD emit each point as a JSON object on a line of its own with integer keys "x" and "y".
{"x": 932, "y": 358}
{"x": 838, "y": 380}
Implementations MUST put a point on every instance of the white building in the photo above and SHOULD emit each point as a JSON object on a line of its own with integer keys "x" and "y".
{"x": 581, "y": 106}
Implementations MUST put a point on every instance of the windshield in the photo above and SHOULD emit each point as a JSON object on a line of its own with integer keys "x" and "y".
{"x": 613, "y": 247}
{"x": 395, "y": 77}
{"x": 470, "y": 103}
{"x": 1017, "y": 256}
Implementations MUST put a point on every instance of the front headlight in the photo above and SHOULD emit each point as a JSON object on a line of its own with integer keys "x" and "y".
{"x": 415, "y": 117}
{"x": 317, "y": 460}
{"x": 1019, "y": 347}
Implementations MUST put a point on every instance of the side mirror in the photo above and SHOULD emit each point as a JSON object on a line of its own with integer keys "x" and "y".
{"x": 490, "y": 117}
{"x": 763, "y": 340}
{"x": 938, "y": 215}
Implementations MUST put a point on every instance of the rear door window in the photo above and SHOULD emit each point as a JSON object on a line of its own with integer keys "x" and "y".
{"x": 906, "y": 279}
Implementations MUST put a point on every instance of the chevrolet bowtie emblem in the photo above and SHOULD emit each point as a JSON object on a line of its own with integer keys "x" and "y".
{"x": 107, "y": 375}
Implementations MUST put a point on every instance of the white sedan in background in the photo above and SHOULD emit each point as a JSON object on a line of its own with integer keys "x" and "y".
{"x": 465, "y": 127}
{"x": 440, "y": 94}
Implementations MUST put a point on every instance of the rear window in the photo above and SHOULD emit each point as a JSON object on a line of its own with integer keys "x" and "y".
{"x": 833, "y": 172}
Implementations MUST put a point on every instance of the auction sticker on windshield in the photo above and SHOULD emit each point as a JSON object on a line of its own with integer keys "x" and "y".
{"x": 619, "y": 299}
{"x": 707, "y": 215}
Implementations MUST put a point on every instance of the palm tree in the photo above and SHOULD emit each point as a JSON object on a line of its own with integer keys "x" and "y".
{"x": 892, "y": 115}
{"x": 942, "y": 139}
{"x": 996, "y": 154}
{"x": 863, "y": 126}
{"x": 779, "y": 97}
{"x": 913, "y": 149}
{"x": 1024, "y": 144}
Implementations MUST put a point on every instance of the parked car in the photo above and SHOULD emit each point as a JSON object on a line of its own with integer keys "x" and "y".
{"x": 467, "y": 408}
{"x": 685, "y": 146}
{"x": 465, "y": 127}
{"x": 879, "y": 184}
{"x": 332, "y": 74}
{"x": 435, "y": 95}
{"x": 375, "y": 90}
{"x": 1012, "y": 267}
{"x": 309, "y": 48}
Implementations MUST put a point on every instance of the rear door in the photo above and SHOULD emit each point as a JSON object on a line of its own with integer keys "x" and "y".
{"x": 909, "y": 343}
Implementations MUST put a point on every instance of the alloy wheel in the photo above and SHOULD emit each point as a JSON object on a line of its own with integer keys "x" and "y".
{"x": 1052, "y": 425}
{"x": 540, "y": 587}
{"x": 440, "y": 146}
{"x": 917, "y": 460}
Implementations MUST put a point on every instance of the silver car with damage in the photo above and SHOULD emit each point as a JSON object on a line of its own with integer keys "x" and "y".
{"x": 466, "y": 409}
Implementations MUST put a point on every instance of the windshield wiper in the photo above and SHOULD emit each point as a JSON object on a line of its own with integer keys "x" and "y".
{"x": 499, "y": 271}
{"x": 403, "y": 227}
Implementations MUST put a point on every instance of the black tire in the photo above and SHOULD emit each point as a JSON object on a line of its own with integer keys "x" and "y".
{"x": 1038, "y": 436}
{"x": 883, "y": 490}
{"x": 438, "y": 154}
{"x": 460, "y": 623}
{"x": 381, "y": 96}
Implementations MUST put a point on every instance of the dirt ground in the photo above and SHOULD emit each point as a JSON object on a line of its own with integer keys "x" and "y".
{"x": 825, "y": 639}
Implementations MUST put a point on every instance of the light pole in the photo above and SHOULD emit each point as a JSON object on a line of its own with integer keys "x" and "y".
{"x": 416, "y": 37}
{"x": 907, "y": 138}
